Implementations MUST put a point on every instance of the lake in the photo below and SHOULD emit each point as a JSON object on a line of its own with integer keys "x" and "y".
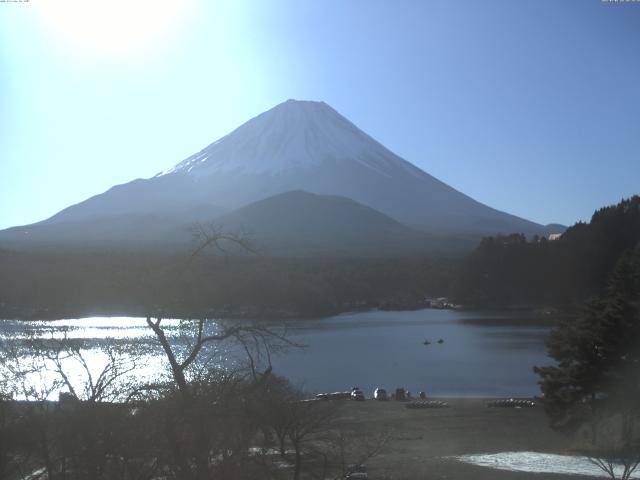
{"x": 483, "y": 354}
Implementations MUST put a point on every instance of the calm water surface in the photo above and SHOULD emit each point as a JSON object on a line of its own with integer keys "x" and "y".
{"x": 483, "y": 354}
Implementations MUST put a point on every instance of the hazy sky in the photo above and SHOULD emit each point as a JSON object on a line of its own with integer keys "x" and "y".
{"x": 532, "y": 107}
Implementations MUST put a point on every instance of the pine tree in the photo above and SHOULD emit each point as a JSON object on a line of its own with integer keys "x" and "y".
{"x": 597, "y": 355}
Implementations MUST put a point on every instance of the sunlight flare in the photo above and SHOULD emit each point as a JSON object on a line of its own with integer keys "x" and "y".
{"x": 114, "y": 25}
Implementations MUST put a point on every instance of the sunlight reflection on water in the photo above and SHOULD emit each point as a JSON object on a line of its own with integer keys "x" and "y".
{"x": 85, "y": 328}
{"x": 483, "y": 354}
{"x": 135, "y": 341}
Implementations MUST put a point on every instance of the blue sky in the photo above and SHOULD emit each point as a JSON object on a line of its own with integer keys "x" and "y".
{"x": 532, "y": 107}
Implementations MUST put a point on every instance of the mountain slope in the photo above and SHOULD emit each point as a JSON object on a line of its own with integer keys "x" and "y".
{"x": 118, "y": 231}
{"x": 302, "y": 222}
{"x": 309, "y": 146}
{"x": 290, "y": 223}
{"x": 297, "y": 145}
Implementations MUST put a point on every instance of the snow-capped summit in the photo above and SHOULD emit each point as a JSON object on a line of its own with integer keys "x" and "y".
{"x": 292, "y": 135}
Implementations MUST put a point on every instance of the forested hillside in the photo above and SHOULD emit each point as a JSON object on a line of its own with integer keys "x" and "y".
{"x": 502, "y": 271}
{"x": 73, "y": 284}
{"x": 514, "y": 270}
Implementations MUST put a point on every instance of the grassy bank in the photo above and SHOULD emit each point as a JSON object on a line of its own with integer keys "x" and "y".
{"x": 422, "y": 442}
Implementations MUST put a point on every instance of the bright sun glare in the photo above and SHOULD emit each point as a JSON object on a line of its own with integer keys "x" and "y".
{"x": 112, "y": 25}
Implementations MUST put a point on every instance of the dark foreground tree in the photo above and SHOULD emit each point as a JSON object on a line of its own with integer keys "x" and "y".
{"x": 596, "y": 382}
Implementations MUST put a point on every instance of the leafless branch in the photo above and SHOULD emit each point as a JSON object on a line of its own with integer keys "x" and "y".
{"x": 213, "y": 236}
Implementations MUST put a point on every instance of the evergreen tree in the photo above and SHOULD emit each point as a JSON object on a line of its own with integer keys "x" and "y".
{"x": 511, "y": 270}
{"x": 597, "y": 374}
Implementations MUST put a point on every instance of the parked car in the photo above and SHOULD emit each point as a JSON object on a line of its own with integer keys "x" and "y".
{"x": 357, "y": 472}
{"x": 380, "y": 394}
{"x": 356, "y": 394}
{"x": 333, "y": 396}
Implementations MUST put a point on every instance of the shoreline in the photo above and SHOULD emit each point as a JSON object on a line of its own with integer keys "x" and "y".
{"x": 424, "y": 443}
{"x": 539, "y": 315}
{"x": 428, "y": 443}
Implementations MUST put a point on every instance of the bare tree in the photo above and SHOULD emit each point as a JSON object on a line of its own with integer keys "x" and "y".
{"x": 345, "y": 452}
{"x": 311, "y": 429}
{"x": 25, "y": 376}
{"x": 205, "y": 388}
{"x": 307, "y": 419}
{"x": 103, "y": 379}
{"x": 10, "y": 437}
{"x": 84, "y": 435}
{"x": 617, "y": 451}
{"x": 254, "y": 339}
{"x": 214, "y": 237}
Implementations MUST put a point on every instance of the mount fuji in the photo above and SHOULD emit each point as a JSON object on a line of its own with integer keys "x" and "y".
{"x": 296, "y": 146}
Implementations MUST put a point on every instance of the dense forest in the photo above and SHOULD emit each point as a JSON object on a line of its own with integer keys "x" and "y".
{"x": 509, "y": 270}
{"x": 515, "y": 270}
{"x": 57, "y": 285}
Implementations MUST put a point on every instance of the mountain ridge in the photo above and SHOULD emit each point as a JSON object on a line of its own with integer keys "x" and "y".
{"x": 290, "y": 223}
{"x": 299, "y": 145}
{"x": 303, "y": 222}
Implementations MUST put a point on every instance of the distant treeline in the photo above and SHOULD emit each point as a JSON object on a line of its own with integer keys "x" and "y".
{"x": 507, "y": 270}
{"x": 501, "y": 271}
{"x": 54, "y": 285}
